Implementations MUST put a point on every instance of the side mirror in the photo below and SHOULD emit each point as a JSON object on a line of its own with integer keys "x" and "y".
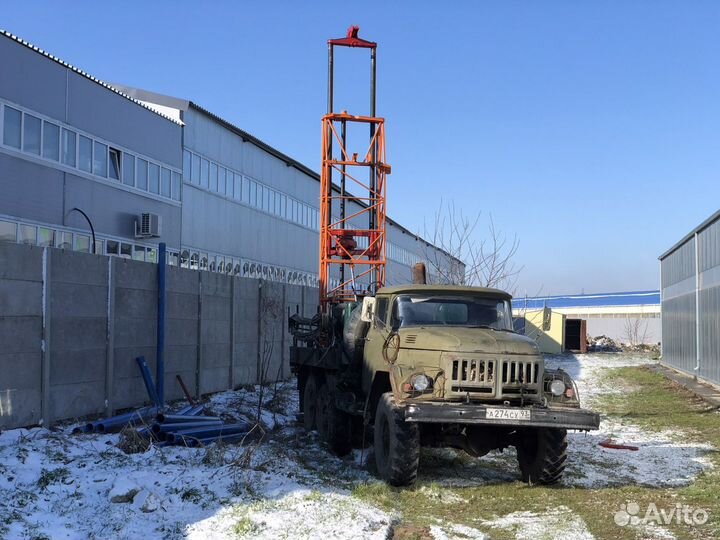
{"x": 397, "y": 322}
{"x": 368, "y": 309}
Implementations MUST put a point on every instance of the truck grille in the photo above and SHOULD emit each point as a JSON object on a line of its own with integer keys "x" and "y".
{"x": 473, "y": 376}
{"x": 494, "y": 379}
{"x": 519, "y": 372}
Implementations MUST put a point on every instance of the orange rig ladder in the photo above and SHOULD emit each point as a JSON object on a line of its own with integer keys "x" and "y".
{"x": 352, "y": 227}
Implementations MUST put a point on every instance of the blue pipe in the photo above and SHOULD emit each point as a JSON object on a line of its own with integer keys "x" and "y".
{"x": 194, "y": 442}
{"x": 183, "y": 419}
{"x": 190, "y": 426}
{"x": 160, "y": 356}
{"x": 196, "y": 410}
{"x": 147, "y": 379}
{"x": 212, "y": 431}
{"x": 184, "y": 410}
{"x": 108, "y": 424}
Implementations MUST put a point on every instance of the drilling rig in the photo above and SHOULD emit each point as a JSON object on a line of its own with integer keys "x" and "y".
{"x": 417, "y": 364}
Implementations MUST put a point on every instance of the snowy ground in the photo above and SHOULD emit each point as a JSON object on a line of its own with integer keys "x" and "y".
{"x": 56, "y": 485}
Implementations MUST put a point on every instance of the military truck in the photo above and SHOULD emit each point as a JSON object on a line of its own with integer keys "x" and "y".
{"x": 432, "y": 365}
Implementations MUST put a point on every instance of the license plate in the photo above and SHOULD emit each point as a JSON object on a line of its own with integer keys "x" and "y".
{"x": 507, "y": 414}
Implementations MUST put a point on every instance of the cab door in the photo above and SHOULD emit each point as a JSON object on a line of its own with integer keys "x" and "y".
{"x": 378, "y": 331}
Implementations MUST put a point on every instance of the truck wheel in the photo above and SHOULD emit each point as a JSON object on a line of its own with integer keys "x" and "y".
{"x": 397, "y": 444}
{"x": 309, "y": 400}
{"x": 333, "y": 425}
{"x": 542, "y": 454}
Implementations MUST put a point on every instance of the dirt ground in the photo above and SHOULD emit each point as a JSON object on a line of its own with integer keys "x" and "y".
{"x": 57, "y": 485}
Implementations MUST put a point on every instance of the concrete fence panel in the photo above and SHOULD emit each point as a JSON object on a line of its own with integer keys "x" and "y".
{"x": 72, "y": 325}
{"x": 21, "y": 334}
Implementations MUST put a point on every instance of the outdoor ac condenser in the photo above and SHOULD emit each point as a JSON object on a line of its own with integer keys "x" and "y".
{"x": 148, "y": 225}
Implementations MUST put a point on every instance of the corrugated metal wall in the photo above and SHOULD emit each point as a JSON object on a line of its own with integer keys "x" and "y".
{"x": 682, "y": 300}
{"x": 709, "y": 245}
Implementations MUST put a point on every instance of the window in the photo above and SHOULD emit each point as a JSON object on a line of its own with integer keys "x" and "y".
{"x": 12, "y": 127}
{"x": 138, "y": 253}
{"x": 283, "y": 206}
{"x": 238, "y": 187}
{"x": 204, "y": 261}
{"x": 213, "y": 177}
{"x": 142, "y": 174}
{"x": 187, "y": 163}
{"x": 82, "y": 243}
{"x": 8, "y": 230}
{"x": 113, "y": 247}
{"x": 204, "y": 172}
{"x": 46, "y": 237}
{"x": 51, "y": 141}
{"x": 268, "y": 199}
{"x": 98, "y": 246}
{"x": 278, "y": 200}
{"x": 194, "y": 261}
{"x": 176, "y": 183}
{"x": 114, "y": 169}
{"x": 253, "y": 193}
{"x": 28, "y": 234}
{"x": 154, "y": 178}
{"x": 31, "y": 138}
{"x": 221, "y": 180}
{"x": 246, "y": 190}
{"x": 125, "y": 250}
{"x": 85, "y": 154}
{"x": 173, "y": 259}
{"x": 68, "y": 147}
{"x": 195, "y": 170}
{"x": 63, "y": 240}
{"x": 128, "y": 169}
{"x": 100, "y": 159}
{"x": 184, "y": 258}
{"x": 165, "y": 182}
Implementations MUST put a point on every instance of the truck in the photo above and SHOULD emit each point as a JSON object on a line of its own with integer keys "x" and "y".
{"x": 433, "y": 365}
{"x": 413, "y": 365}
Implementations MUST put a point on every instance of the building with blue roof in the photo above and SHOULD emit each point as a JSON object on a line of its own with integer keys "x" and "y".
{"x": 626, "y": 317}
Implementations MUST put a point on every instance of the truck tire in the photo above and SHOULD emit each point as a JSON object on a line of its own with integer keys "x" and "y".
{"x": 397, "y": 444}
{"x": 333, "y": 425}
{"x": 542, "y": 454}
{"x": 309, "y": 401}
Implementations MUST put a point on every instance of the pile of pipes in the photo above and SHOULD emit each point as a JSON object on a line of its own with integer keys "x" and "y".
{"x": 185, "y": 427}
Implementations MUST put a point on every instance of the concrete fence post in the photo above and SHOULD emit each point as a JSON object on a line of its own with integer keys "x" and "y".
{"x": 233, "y": 306}
{"x": 45, "y": 345}
{"x": 259, "y": 332}
{"x": 199, "y": 361}
{"x": 110, "y": 352}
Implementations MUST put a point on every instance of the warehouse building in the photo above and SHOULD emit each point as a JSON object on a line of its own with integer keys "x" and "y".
{"x": 81, "y": 158}
{"x": 564, "y": 321}
{"x": 690, "y": 281}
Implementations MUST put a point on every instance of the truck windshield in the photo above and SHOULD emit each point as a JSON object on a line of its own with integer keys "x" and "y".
{"x": 469, "y": 311}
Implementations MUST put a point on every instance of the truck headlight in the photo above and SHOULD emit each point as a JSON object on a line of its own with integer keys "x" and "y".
{"x": 421, "y": 382}
{"x": 557, "y": 388}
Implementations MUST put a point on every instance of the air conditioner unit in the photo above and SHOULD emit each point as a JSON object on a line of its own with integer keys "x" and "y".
{"x": 147, "y": 225}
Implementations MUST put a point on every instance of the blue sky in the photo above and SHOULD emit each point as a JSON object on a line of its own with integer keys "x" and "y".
{"x": 590, "y": 130}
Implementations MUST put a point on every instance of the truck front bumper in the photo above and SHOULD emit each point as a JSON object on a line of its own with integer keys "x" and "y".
{"x": 474, "y": 413}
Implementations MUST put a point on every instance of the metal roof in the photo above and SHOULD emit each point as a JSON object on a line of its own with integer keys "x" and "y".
{"x": 57, "y": 60}
{"x": 617, "y": 299}
{"x": 709, "y": 221}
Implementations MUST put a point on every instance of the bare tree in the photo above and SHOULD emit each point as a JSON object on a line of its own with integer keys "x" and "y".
{"x": 484, "y": 260}
{"x": 636, "y": 331}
